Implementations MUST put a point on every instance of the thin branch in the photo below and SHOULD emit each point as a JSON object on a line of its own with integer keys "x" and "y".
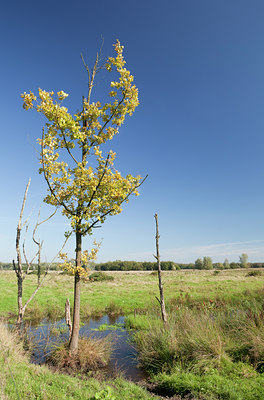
{"x": 87, "y": 69}
{"x": 25, "y": 256}
{"x": 39, "y": 223}
{"x": 66, "y": 143}
{"x": 15, "y": 268}
{"x": 19, "y": 262}
{"x": 99, "y": 182}
{"x": 48, "y": 182}
{"x": 28, "y": 218}
{"x": 67, "y": 147}
{"x": 108, "y": 212}
{"x": 46, "y": 272}
{"x": 96, "y": 68}
{"x": 109, "y": 119}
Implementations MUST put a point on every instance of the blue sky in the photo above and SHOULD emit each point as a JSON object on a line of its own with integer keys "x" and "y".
{"x": 198, "y": 132}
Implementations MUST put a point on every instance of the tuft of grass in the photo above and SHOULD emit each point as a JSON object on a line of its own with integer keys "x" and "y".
{"x": 248, "y": 339}
{"x": 100, "y": 276}
{"x": 114, "y": 309}
{"x": 217, "y": 272}
{"x": 254, "y": 273}
{"x": 193, "y": 339}
{"x": 93, "y": 353}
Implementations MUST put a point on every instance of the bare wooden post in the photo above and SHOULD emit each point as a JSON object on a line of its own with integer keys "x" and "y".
{"x": 68, "y": 316}
{"x": 161, "y": 299}
{"x": 18, "y": 268}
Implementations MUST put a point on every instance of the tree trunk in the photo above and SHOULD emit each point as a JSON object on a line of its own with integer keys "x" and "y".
{"x": 68, "y": 316}
{"x": 19, "y": 301}
{"x": 161, "y": 299}
{"x": 77, "y": 293}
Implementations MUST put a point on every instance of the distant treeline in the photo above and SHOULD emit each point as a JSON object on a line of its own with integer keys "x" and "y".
{"x": 143, "y": 266}
{"x": 34, "y": 267}
{"x": 135, "y": 266}
{"x": 168, "y": 266}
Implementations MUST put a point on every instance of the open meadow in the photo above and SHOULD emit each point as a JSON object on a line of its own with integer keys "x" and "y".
{"x": 211, "y": 348}
{"x": 131, "y": 290}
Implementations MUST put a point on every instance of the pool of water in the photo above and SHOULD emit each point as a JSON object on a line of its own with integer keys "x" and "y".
{"x": 124, "y": 356}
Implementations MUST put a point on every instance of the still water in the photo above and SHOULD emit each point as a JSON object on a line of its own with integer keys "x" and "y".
{"x": 47, "y": 334}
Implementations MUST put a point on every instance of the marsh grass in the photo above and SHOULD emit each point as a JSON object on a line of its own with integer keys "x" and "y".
{"x": 246, "y": 330}
{"x": 193, "y": 339}
{"x": 200, "y": 339}
{"x": 93, "y": 353}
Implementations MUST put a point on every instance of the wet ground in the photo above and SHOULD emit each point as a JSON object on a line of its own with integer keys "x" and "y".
{"x": 48, "y": 334}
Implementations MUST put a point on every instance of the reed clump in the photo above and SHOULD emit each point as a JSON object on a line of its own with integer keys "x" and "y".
{"x": 202, "y": 339}
{"x": 93, "y": 354}
{"x": 193, "y": 339}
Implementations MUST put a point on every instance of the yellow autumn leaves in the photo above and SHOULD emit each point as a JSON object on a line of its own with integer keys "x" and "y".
{"x": 83, "y": 269}
{"x": 79, "y": 178}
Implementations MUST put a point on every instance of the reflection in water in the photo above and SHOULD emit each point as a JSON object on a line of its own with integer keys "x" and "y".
{"x": 47, "y": 335}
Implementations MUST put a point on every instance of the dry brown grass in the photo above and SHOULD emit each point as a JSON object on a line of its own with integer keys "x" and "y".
{"x": 93, "y": 353}
{"x": 10, "y": 344}
{"x": 11, "y": 351}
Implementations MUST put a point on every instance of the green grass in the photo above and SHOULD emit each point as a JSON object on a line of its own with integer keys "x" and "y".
{"x": 21, "y": 380}
{"x": 212, "y": 386}
{"x": 212, "y": 347}
{"x": 130, "y": 290}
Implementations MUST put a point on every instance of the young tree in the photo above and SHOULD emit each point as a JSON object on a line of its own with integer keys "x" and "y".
{"x": 226, "y": 264}
{"x": 243, "y": 260}
{"x": 79, "y": 178}
{"x": 198, "y": 264}
{"x": 207, "y": 263}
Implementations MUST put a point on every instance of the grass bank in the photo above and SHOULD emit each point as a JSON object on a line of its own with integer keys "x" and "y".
{"x": 206, "y": 354}
{"x": 21, "y": 380}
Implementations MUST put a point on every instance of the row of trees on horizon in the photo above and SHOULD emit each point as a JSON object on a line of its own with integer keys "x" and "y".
{"x": 119, "y": 265}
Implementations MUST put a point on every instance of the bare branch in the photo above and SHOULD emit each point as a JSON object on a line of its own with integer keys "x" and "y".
{"x": 15, "y": 268}
{"x": 19, "y": 262}
{"x": 39, "y": 223}
{"x": 161, "y": 300}
{"x": 40, "y": 283}
{"x": 28, "y": 218}
{"x": 87, "y": 69}
{"x": 158, "y": 300}
{"x": 25, "y": 256}
{"x": 91, "y": 83}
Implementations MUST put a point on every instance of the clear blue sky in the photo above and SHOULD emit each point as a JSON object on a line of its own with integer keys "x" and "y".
{"x": 198, "y": 132}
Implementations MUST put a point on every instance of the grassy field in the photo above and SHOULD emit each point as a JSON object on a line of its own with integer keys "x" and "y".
{"x": 212, "y": 347}
{"x": 130, "y": 290}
